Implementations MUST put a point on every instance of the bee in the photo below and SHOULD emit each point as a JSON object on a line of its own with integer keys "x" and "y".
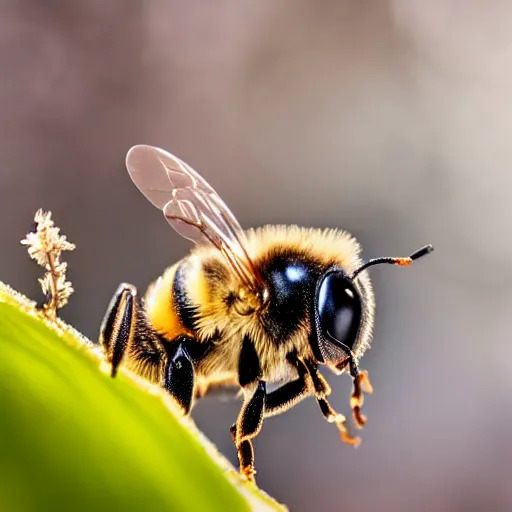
{"x": 251, "y": 309}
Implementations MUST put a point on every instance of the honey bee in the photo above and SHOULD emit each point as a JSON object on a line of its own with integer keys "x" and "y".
{"x": 251, "y": 309}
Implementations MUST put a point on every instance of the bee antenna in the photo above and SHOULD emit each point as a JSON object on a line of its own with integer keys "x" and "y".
{"x": 401, "y": 262}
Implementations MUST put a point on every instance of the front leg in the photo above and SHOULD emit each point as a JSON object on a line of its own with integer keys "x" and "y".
{"x": 310, "y": 381}
{"x": 322, "y": 390}
{"x": 361, "y": 385}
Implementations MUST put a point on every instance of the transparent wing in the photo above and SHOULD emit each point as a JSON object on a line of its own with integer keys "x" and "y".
{"x": 191, "y": 206}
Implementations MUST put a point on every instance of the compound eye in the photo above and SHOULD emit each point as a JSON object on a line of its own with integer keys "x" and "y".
{"x": 339, "y": 311}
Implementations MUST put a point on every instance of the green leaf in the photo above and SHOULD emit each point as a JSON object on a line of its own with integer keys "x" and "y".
{"x": 72, "y": 438}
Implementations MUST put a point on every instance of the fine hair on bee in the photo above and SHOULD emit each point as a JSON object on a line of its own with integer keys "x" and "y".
{"x": 248, "y": 309}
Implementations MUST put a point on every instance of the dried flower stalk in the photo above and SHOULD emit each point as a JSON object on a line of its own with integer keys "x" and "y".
{"x": 45, "y": 245}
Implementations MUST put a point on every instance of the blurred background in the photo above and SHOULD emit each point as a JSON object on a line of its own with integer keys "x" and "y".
{"x": 390, "y": 119}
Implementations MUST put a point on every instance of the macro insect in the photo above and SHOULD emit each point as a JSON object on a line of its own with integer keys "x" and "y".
{"x": 251, "y": 309}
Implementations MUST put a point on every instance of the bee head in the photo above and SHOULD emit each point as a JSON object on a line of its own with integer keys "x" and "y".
{"x": 339, "y": 311}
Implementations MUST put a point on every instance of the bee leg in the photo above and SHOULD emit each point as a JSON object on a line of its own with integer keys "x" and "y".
{"x": 179, "y": 376}
{"x": 251, "y": 416}
{"x": 321, "y": 386}
{"x": 119, "y": 323}
{"x": 288, "y": 395}
{"x": 281, "y": 400}
{"x": 322, "y": 390}
{"x": 248, "y": 426}
{"x": 361, "y": 384}
{"x": 341, "y": 422}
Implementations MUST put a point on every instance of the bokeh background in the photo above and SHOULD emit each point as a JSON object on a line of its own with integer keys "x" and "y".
{"x": 391, "y": 119}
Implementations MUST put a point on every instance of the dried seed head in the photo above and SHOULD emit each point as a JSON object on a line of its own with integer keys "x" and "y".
{"x": 45, "y": 245}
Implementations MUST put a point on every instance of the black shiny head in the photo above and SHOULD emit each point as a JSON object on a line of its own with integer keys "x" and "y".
{"x": 338, "y": 313}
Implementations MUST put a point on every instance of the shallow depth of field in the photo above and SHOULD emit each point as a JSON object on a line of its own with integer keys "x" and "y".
{"x": 391, "y": 119}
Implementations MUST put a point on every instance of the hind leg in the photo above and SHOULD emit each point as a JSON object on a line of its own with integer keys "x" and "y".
{"x": 119, "y": 324}
{"x": 125, "y": 332}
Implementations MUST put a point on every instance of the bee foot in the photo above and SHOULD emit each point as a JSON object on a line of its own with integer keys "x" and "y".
{"x": 359, "y": 417}
{"x": 350, "y": 440}
{"x": 249, "y": 474}
{"x": 341, "y": 423}
{"x": 364, "y": 382}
